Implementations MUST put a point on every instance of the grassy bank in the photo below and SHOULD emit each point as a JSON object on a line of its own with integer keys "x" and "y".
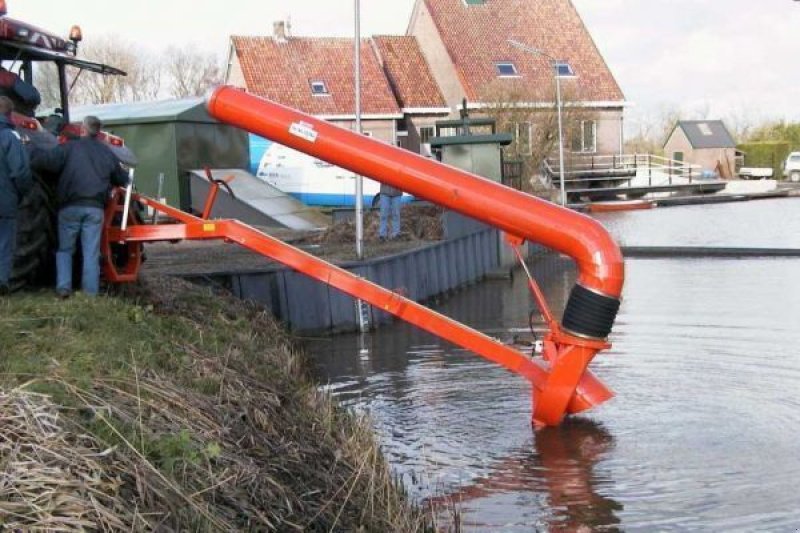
{"x": 169, "y": 407}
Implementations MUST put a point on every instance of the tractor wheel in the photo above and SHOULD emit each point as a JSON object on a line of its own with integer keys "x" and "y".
{"x": 34, "y": 262}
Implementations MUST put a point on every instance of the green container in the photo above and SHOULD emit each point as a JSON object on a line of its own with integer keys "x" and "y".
{"x": 172, "y": 137}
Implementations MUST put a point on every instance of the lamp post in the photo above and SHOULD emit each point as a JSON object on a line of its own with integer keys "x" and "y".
{"x": 359, "y": 179}
{"x": 554, "y": 63}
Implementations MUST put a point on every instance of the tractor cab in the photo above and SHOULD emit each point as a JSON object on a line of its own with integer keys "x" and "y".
{"x": 23, "y": 45}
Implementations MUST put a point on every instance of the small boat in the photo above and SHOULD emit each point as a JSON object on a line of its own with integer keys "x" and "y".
{"x": 622, "y": 205}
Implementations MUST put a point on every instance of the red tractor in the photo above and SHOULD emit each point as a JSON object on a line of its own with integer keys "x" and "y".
{"x": 22, "y": 47}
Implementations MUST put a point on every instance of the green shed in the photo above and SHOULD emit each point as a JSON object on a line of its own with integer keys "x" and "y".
{"x": 172, "y": 137}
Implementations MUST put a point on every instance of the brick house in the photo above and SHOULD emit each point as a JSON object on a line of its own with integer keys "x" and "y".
{"x": 399, "y": 95}
{"x": 466, "y": 44}
{"x": 453, "y": 50}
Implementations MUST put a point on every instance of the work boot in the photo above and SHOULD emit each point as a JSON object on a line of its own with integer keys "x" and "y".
{"x": 63, "y": 294}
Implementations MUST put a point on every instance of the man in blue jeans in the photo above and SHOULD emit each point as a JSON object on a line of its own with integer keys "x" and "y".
{"x": 390, "y": 199}
{"x": 87, "y": 168}
{"x": 15, "y": 182}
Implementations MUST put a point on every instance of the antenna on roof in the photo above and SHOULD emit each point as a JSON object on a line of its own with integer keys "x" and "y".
{"x": 288, "y": 25}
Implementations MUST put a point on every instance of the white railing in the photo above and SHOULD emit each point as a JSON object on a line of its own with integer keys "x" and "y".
{"x": 644, "y": 169}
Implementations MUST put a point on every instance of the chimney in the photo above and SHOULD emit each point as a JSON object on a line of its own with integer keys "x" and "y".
{"x": 279, "y": 32}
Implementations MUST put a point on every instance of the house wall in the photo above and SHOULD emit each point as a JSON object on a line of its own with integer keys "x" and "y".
{"x": 609, "y": 131}
{"x": 678, "y": 142}
{"x": 235, "y": 75}
{"x": 414, "y": 124}
{"x": 435, "y": 52}
{"x": 706, "y": 158}
{"x": 384, "y": 130}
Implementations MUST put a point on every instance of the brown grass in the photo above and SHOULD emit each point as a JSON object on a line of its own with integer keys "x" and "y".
{"x": 176, "y": 409}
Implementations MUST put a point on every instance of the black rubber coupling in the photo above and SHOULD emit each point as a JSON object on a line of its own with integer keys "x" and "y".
{"x": 589, "y": 314}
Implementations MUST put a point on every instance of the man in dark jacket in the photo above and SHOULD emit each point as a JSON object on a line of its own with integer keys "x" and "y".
{"x": 15, "y": 182}
{"x": 87, "y": 168}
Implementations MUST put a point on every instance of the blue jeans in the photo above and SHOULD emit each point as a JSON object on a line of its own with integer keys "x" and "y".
{"x": 8, "y": 244}
{"x": 86, "y": 222}
{"x": 390, "y": 205}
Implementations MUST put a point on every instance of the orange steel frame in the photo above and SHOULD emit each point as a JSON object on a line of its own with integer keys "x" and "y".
{"x": 561, "y": 382}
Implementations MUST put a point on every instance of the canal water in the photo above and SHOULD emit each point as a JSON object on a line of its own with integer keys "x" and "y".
{"x": 704, "y": 434}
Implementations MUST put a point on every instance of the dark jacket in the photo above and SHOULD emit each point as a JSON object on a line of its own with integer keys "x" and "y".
{"x": 87, "y": 168}
{"x": 391, "y": 192}
{"x": 15, "y": 170}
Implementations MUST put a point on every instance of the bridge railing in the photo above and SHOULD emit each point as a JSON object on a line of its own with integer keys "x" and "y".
{"x": 656, "y": 170}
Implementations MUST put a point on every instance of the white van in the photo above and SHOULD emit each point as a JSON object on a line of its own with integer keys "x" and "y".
{"x": 791, "y": 168}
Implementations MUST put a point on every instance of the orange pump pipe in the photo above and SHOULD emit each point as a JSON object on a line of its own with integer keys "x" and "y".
{"x": 523, "y": 217}
{"x": 599, "y": 259}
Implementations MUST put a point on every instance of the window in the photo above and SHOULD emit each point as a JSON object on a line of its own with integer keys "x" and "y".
{"x": 474, "y": 2}
{"x": 705, "y": 129}
{"x": 318, "y": 88}
{"x": 677, "y": 156}
{"x": 585, "y": 137}
{"x": 506, "y": 69}
{"x": 524, "y": 138}
{"x": 425, "y": 135}
{"x": 564, "y": 69}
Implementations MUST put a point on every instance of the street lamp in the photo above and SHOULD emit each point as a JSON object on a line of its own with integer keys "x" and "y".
{"x": 556, "y": 64}
{"x": 359, "y": 179}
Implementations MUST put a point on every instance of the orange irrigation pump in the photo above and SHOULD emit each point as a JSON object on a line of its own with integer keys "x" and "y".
{"x": 561, "y": 384}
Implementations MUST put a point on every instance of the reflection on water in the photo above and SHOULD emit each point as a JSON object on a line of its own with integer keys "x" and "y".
{"x": 560, "y": 465}
{"x": 702, "y": 436}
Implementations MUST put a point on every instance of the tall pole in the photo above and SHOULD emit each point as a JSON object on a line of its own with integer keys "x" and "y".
{"x": 362, "y": 309}
{"x": 560, "y": 137}
{"x": 359, "y": 179}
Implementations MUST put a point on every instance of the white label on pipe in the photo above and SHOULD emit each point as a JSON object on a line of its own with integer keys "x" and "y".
{"x": 304, "y": 131}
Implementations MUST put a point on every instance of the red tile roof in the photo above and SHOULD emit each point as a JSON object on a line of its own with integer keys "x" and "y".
{"x": 476, "y": 39}
{"x": 408, "y": 72}
{"x": 283, "y": 72}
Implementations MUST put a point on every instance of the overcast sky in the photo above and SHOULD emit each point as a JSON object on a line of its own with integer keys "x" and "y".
{"x": 739, "y": 59}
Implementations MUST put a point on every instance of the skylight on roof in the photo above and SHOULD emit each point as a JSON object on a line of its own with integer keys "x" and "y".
{"x": 564, "y": 69}
{"x": 318, "y": 88}
{"x": 705, "y": 129}
{"x": 506, "y": 68}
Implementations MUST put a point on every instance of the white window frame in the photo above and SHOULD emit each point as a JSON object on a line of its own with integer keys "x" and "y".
{"x": 590, "y": 149}
{"x": 524, "y": 150}
{"x": 562, "y": 63}
{"x": 506, "y": 63}
{"x": 325, "y": 91}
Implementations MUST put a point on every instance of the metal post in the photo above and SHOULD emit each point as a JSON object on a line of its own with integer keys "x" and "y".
{"x": 127, "y": 205}
{"x": 359, "y": 179}
{"x": 362, "y": 309}
{"x": 560, "y": 137}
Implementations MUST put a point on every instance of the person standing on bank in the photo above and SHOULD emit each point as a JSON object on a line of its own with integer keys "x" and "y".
{"x": 390, "y": 198}
{"x": 15, "y": 182}
{"x": 87, "y": 169}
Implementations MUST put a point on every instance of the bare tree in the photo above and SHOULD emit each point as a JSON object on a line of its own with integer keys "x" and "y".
{"x": 518, "y": 110}
{"x": 191, "y": 72}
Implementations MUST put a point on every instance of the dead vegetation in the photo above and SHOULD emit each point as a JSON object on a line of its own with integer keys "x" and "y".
{"x": 418, "y": 222}
{"x": 173, "y": 409}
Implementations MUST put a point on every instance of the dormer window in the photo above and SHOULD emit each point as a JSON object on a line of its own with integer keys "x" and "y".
{"x": 564, "y": 69}
{"x": 705, "y": 129}
{"x": 506, "y": 69}
{"x": 318, "y": 88}
{"x": 474, "y": 2}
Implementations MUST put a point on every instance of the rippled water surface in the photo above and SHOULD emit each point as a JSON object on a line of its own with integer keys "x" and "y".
{"x": 704, "y": 433}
